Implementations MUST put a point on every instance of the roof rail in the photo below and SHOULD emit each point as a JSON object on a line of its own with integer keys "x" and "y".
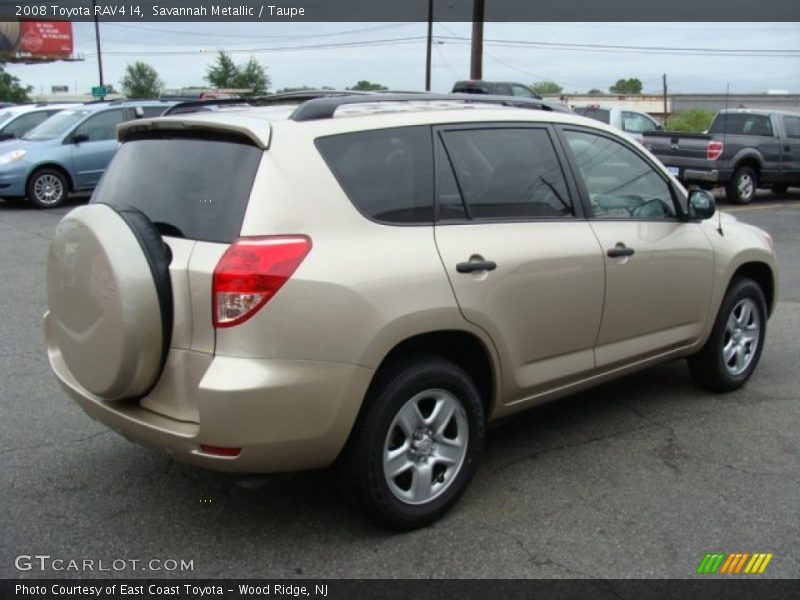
{"x": 324, "y": 108}
{"x": 190, "y": 106}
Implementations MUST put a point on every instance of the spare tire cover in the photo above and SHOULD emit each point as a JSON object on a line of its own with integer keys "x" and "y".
{"x": 110, "y": 299}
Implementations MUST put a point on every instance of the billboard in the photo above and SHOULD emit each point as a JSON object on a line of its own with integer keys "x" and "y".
{"x": 32, "y": 41}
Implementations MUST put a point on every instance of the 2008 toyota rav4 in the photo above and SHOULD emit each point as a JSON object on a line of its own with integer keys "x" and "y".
{"x": 368, "y": 281}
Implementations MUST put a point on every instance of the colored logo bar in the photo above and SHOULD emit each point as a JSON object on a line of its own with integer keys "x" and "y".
{"x": 734, "y": 563}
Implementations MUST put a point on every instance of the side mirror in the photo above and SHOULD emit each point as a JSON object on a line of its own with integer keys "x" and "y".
{"x": 701, "y": 205}
{"x": 78, "y": 138}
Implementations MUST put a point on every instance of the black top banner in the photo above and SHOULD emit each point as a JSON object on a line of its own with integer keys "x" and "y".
{"x": 401, "y": 10}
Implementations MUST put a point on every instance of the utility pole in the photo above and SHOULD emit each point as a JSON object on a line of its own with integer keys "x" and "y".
{"x": 430, "y": 42}
{"x": 666, "y": 114}
{"x": 476, "y": 66}
{"x": 97, "y": 38}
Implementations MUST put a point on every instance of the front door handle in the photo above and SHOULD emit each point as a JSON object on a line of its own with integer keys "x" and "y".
{"x": 620, "y": 250}
{"x": 476, "y": 265}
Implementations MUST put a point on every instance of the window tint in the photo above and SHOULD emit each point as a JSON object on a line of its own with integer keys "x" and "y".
{"x": 636, "y": 123}
{"x": 792, "y": 125}
{"x": 620, "y": 183}
{"x": 101, "y": 127}
{"x": 503, "y": 89}
{"x": 742, "y": 123}
{"x": 508, "y": 173}
{"x": 450, "y": 205}
{"x": 190, "y": 187}
{"x": 22, "y": 125}
{"x": 386, "y": 173}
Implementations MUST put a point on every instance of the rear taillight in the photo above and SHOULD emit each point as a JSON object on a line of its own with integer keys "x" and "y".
{"x": 714, "y": 150}
{"x": 251, "y": 272}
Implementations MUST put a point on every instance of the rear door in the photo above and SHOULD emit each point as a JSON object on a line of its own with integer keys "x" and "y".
{"x": 659, "y": 267}
{"x": 91, "y": 156}
{"x": 195, "y": 190}
{"x": 523, "y": 263}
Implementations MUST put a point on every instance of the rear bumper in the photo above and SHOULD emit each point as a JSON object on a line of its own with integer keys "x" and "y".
{"x": 701, "y": 175}
{"x": 285, "y": 415}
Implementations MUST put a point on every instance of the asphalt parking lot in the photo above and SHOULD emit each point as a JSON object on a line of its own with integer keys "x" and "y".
{"x": 637, "y": 478}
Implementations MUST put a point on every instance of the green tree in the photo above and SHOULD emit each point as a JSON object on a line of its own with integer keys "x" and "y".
{"x": 11, "y": 90}
{"x": 367, "y": 86}
{"x": 626, "y": 86}
{"x": 223, "y": 73}
{"x": 253, "y": 76}
{"x": 595, "y": 92}
{"x": 546, "y": 87}
{"x": 227, "y": 74}
{"x": 692, "y": 121}
{"x": 141, "y": 81}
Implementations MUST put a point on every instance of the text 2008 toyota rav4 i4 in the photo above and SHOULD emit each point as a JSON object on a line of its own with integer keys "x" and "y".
{"x": 365, "y": 282}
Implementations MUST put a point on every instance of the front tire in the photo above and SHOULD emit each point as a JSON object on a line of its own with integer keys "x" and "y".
{"x": 415, "y": 446}
{"x": 47, "y": 188}
{"x": 734, "y": 348}
{"x": 741, "y": 189}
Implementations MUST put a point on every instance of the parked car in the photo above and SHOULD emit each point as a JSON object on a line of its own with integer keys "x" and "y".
{"x": 16, "y": 121}
{"x": 67, "y": 153}
{"x": 497, "y": 88}
{"x": 743, "y": 150}
{"x": 366, "y": 282}
{"x": 632, "y": 122}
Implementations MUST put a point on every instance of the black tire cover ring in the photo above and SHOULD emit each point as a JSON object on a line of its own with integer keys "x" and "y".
{"x": 110, "y": 299}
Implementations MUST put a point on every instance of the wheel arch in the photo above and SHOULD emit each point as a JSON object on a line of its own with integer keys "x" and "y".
{"x": 463, "y": 348}
{"x": 762, "y": 274}
{"x": 56, "y": 167}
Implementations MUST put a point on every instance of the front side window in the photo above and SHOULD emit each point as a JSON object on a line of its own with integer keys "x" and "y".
{"x": 509, "y": 173}
{"x": 620, "y": 184}
{"x": 386, "y": 173}
{"x": 635, "y": 123}
{"x": 521, "y": 90}
{"x": 101, "y": 127}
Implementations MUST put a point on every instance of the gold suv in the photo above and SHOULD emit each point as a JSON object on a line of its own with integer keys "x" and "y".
{"x": 367, "y": 281}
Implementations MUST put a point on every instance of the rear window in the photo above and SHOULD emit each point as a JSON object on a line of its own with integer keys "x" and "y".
{"x": 598, "y": 114}
{"x": 386, "y": 173}
{"x": 742, "y": 123}
{"x": 189, "y": 187}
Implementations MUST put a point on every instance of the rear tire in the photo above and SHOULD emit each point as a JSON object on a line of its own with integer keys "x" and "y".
{"x": 741, "y": 189}
{"x": 415, "y": 446}
{"x": 732, "y": 352}
{"x": 47, "y": 188}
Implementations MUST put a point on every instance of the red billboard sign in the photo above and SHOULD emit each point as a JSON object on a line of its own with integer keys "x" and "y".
{"x": 36, "y": 40}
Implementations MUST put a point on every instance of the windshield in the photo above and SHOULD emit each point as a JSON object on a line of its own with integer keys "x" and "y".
{"x": 56, "y": 126}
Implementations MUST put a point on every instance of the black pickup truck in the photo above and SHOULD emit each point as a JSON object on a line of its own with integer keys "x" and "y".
{"x": 743, "y": 150}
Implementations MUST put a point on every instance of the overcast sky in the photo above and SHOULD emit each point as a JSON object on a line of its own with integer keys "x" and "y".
{"x": 182, "y": 52}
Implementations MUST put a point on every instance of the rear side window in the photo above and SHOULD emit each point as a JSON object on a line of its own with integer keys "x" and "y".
{"x": 742, "y": 123}
{"x": 506, "y": 174}
{"x": 792, "y": 125}
{"x": 189, "y": 187}
{"x": 386, "y": 173}
{"x": 598, "y": 114}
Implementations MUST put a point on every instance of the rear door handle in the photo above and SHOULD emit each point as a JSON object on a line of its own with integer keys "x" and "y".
{"x": 620, "y": 250}
{"x": 476, "y": 265}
